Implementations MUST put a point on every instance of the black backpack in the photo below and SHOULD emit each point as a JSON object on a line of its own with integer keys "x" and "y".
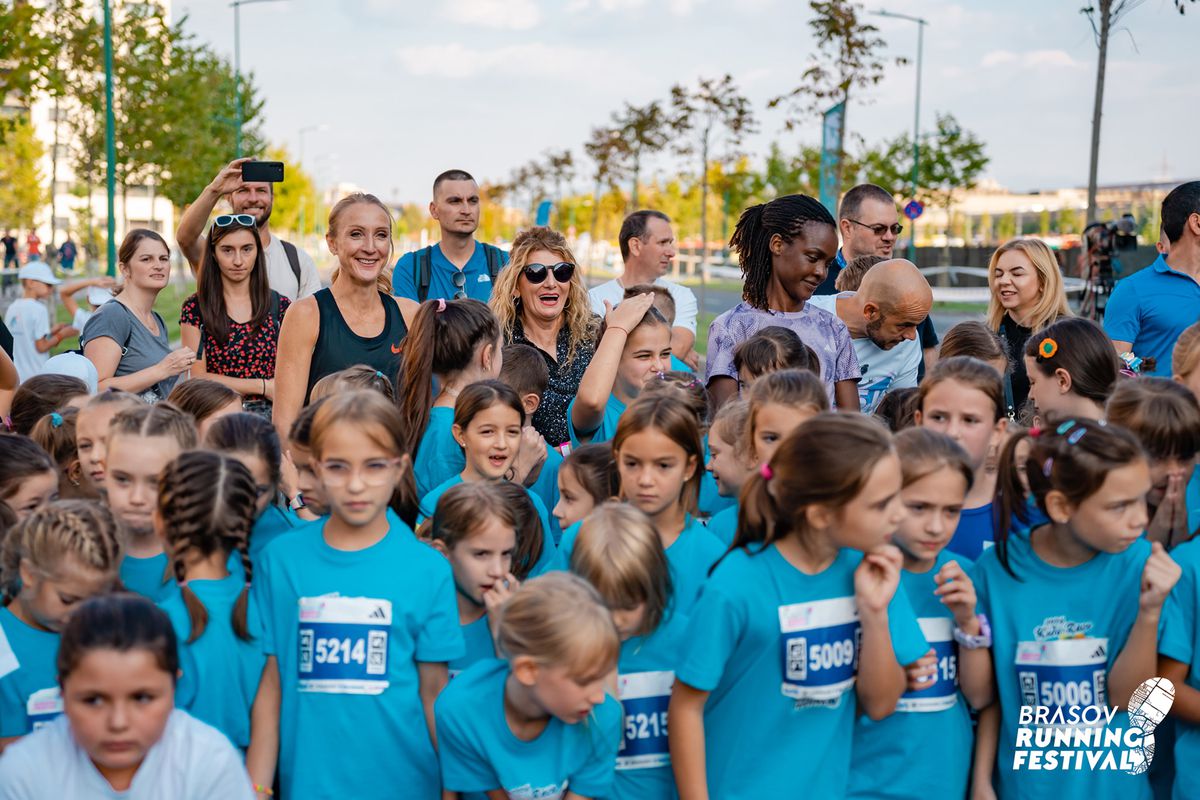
{"x": 423, "y": 268}
{"x": 293, "y": 257}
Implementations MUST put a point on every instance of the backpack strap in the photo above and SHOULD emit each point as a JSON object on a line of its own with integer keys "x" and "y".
{"x": 274, "y": 312}
{"x": 423, "y": 272}
{"x": 293, "y": 257}
{"x": 492, "y": 254}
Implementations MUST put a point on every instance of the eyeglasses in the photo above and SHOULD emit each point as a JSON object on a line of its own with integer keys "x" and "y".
{"x": 225, "y": 220}
{"x": 378, "y": 472}
{"x": 880, "y": 229}
{"x": 459, "y": 280}
{"x": 536, "y": 273}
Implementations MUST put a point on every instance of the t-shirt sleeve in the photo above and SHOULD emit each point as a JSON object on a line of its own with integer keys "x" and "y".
{"x": 594, "y": 778}
{"x": 597, "y": 301}
{"x": 464, "y": 768}
{"x": 189, "y": 312}
{"x": 906, "y": 378}
{"x": 845, "y": 366}
{"x": 440, "y": 638}
{"x": 260, "y": 589}
{"x": 109, "y": 322}
{"x": 686, "y": 309}
{"x": 1122, "y": 320}
{"x": 716, "y": 622}
{"x": 908, "y": 643}
{"x": 310, "y": 279}
{"x": 719, "y": 362}
{"x": 1175, "y": 639}
{"x": 402, "y": 277}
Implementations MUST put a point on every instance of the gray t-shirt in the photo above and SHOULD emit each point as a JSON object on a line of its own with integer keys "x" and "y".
{"x": 139, "y": 347}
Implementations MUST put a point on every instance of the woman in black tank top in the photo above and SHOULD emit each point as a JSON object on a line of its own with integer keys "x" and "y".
{"x": 355, "y": 321}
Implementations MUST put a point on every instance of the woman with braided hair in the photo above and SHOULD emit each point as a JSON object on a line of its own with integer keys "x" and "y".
{"x": 784, "y": 248}
{"x": 206, "y": 505}
{"x": 55, "y": 558}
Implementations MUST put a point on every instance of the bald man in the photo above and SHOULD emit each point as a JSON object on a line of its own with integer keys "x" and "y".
{"x": 883, "y": 315}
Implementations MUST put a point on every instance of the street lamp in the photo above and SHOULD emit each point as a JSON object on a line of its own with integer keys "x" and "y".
{"x": 110, "y": 146}
{"x": 912, "y": 239}
{"x": 237, "y": 63}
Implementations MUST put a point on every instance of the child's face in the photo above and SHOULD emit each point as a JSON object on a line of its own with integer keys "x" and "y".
{"x": 118, "y": 704}
{"x": 654, "y": 469}
{"x": 490, "y": 441}
{"x": 574, "y": 502}
{"x": 772, "y": 424}
{"x": 358, "y": 475}
{"x": 933, "y": 505}
{"x": 569, "y": 697}
{"x": 1048, "y": 392}
{"x": 36, "y": 289}
{"x": 966, "y": 415}
{"x": 483, "y": 559}
{"x": 49, "y": 599}
{"x": 1161, "y": 470}
{"x": 1115, "y": 516}
{"x": 32, "y": 493}
{"x": 264, "y": 488}
{"x": 310, "y": 488}
{"x": 628, "y": 620}
{"x": 875, "y": 513}
{"x": 647, "y": 352}
{"x": 728, "y": 470}
{"x": 202, "y": 427}
{"x": 1192, "y": 381}
{"x": 134, "y": 463}
{"x": 91, "y": 439}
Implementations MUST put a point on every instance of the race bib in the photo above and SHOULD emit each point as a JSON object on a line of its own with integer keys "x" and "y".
{"x": 820, "y": 643}
{"x": 43, "y": 707}
{"x": 645, "y": 697}
{"x": 530, "y": 792}
{"x": 344, "y": 644}
{"x": 942, "y": 692}
{"x": 1063, "y": 672}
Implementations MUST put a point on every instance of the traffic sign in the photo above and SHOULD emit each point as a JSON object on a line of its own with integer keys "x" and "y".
{"x": 913, "y": 209}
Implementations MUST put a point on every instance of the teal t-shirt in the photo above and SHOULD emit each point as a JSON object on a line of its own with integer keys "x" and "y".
{"x": 607, "y": 428}
{"x": 429, "y": 505}
{"x": 678, "y": 365}
{"x": 546, "y": 487}
{"x": 711, "y": 500}
{"x": 777, "y": 651}
{"x": 272, "y": 523}
{"x": 723, "y": 524}
{"x": 478, "y": 638}
{"x": 928, "y": 740}
{"x": 477, "y": 282}
{"x": 148, "y": 577}
{"x": 1056, "y": 632}
{"x": 29, "y": 696}
{"x": 479, "y": 752}
{"x": 348, "y": 629}
{"x": 1180, "y": 633}
{"x": 220, "y": 673}
{"x": 439, "y": 457}
{"x": 976, "y": 532}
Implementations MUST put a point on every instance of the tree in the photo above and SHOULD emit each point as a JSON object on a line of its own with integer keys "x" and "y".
{"x": 714, "y": 111}
{"x": 849, "y": 62}
{"x": 21, "y": 191}
{"x": 884, "y": 164}
{"x": 607, "y": 150}
{"x": 645, "y": 132}
{"x": 953, "y": 160}
{"x": 28, "y": 55}
{"x": 297, "y": 202}
{"x": 560, "y": 169}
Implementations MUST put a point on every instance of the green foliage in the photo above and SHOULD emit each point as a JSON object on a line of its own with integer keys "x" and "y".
{"x": 21, "y": 192}
{"x": 645, "y": 131}
{"x": 298, "y": 207}
{"x": 28, "y": 53}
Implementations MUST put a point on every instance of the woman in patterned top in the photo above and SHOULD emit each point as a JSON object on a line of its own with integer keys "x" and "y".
{"x": 232, "y": 321}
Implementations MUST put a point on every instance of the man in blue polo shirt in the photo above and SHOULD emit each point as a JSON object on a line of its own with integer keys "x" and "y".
{"x": 457, "y": 266}
{"x": 1149, "y": 309}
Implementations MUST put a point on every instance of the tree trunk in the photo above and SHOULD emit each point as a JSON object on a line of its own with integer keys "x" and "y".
{"x": 841, "y": 161}
{"x": 1097, "y": 107}
{"x": 633, "y": 196}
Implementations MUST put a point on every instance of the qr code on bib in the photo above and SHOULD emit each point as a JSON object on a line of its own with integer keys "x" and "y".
{"x": 377, "y": 652}
{"x": 797, "y": 659}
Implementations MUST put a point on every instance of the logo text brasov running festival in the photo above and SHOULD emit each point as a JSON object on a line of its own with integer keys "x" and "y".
{"x": 1090, "y": 737}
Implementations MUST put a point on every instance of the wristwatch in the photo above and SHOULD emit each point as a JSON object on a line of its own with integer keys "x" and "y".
{"x": 983, "y": 639}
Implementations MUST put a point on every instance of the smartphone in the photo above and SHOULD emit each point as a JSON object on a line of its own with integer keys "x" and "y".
{"x": 262, "y": 172}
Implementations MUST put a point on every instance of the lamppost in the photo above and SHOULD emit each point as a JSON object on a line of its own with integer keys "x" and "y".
{"x": 921, "y": 23}
{"x": 110, "y": 144}
{"x": 237, "y": 63}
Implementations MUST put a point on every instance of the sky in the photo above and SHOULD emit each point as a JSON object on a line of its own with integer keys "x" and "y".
{"x": 405, "y": 89}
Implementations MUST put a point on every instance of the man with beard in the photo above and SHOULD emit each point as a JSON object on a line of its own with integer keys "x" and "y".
{"x": 290, "y": 271}
{"x": 883, "y": 316}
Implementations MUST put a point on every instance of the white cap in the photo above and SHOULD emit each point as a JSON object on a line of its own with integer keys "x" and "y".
{"x": 38, "y": 271}
{"x": 98, "y": 295}
{"x": 76, "y": 366}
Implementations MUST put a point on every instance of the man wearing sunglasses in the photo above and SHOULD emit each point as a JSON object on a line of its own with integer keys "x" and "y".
{"x": 290, "y": 271}
{"x": 458, "y": 266}
{"x": 647, "y": 248}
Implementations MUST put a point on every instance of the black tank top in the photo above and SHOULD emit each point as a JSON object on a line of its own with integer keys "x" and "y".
{"x": 338, "y": 347}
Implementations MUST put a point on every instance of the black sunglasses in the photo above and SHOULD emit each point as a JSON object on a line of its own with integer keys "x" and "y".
{"x": 536, "y": 273}
{"x": 225, "y": 220}
{"x": 459, "y": 280}
{"x": 879, "y": 230}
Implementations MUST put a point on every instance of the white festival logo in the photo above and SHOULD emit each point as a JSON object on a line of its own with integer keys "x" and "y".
{"x": 1148, "y": 706}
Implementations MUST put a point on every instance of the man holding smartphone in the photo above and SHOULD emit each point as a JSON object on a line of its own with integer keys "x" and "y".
{"x": 290, "y": 271}
{"x": 458, "y": 266}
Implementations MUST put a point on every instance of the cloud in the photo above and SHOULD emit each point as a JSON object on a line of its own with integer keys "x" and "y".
{"x": 577, "y": 6}
{"x": 456, "y": 60}
{"x": 1031, "y": 59}
{"x": 513, "y": 15}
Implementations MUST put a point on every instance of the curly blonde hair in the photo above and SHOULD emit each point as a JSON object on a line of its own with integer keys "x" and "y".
{"x": 577, "y": 313}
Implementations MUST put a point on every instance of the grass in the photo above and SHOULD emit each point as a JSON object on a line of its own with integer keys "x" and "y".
{"x": 167, "y": 305}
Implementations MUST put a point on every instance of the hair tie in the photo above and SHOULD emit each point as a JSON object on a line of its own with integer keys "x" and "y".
{"x": 378, "y": 374}
{"x": 1048, "y": 466}
{"x": 441, "y": 306}
{"x": 1035, "y": 432}
{"x": 766, "y": 471}
{"x": 1047, "y": 348}
{"x": 56, "y": 420}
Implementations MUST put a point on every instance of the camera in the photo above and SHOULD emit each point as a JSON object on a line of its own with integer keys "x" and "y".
{"x": 1102, "y": 241}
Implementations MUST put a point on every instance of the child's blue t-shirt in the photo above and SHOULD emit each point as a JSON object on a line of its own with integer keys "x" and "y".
{"x": 477, "y": 636}
{"x": 975, "y": 533}
{"x": 29, "y": 696}
{"x": 607, "y": 428}
{"x": 1056, "y": 633}
{"x": 1192, "y": 498}
{"x": 147, "y": 577}
{"x": 438, "y": 456}
{"x": 479, "y": 752}
{"x": 927, "y": 741}
{"x": 678, "y": 365}
{"x": 219, "y": 673}
{"x": 723, "y": 525}
{"x": 1178, "y": 641}
{"x": 272, "y": 523}
{"x": 777, "y": 651}
{"x": 348, "y": 629}
{"x": 429, "y": 505}
{"x": 646, "y": 673}
{"x": 546, "y": 488}
{"x": 711, "y": 500}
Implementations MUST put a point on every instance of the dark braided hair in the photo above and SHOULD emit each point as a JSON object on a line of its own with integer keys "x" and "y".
{"x": 784, "y": 216}
{"x": 207, "y": 504}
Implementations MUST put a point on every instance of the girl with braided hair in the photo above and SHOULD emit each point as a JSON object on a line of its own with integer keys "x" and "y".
{"x": 204, "y": 515}
{"x": 784, "y": 248}
{"x": 55, "y": 558}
